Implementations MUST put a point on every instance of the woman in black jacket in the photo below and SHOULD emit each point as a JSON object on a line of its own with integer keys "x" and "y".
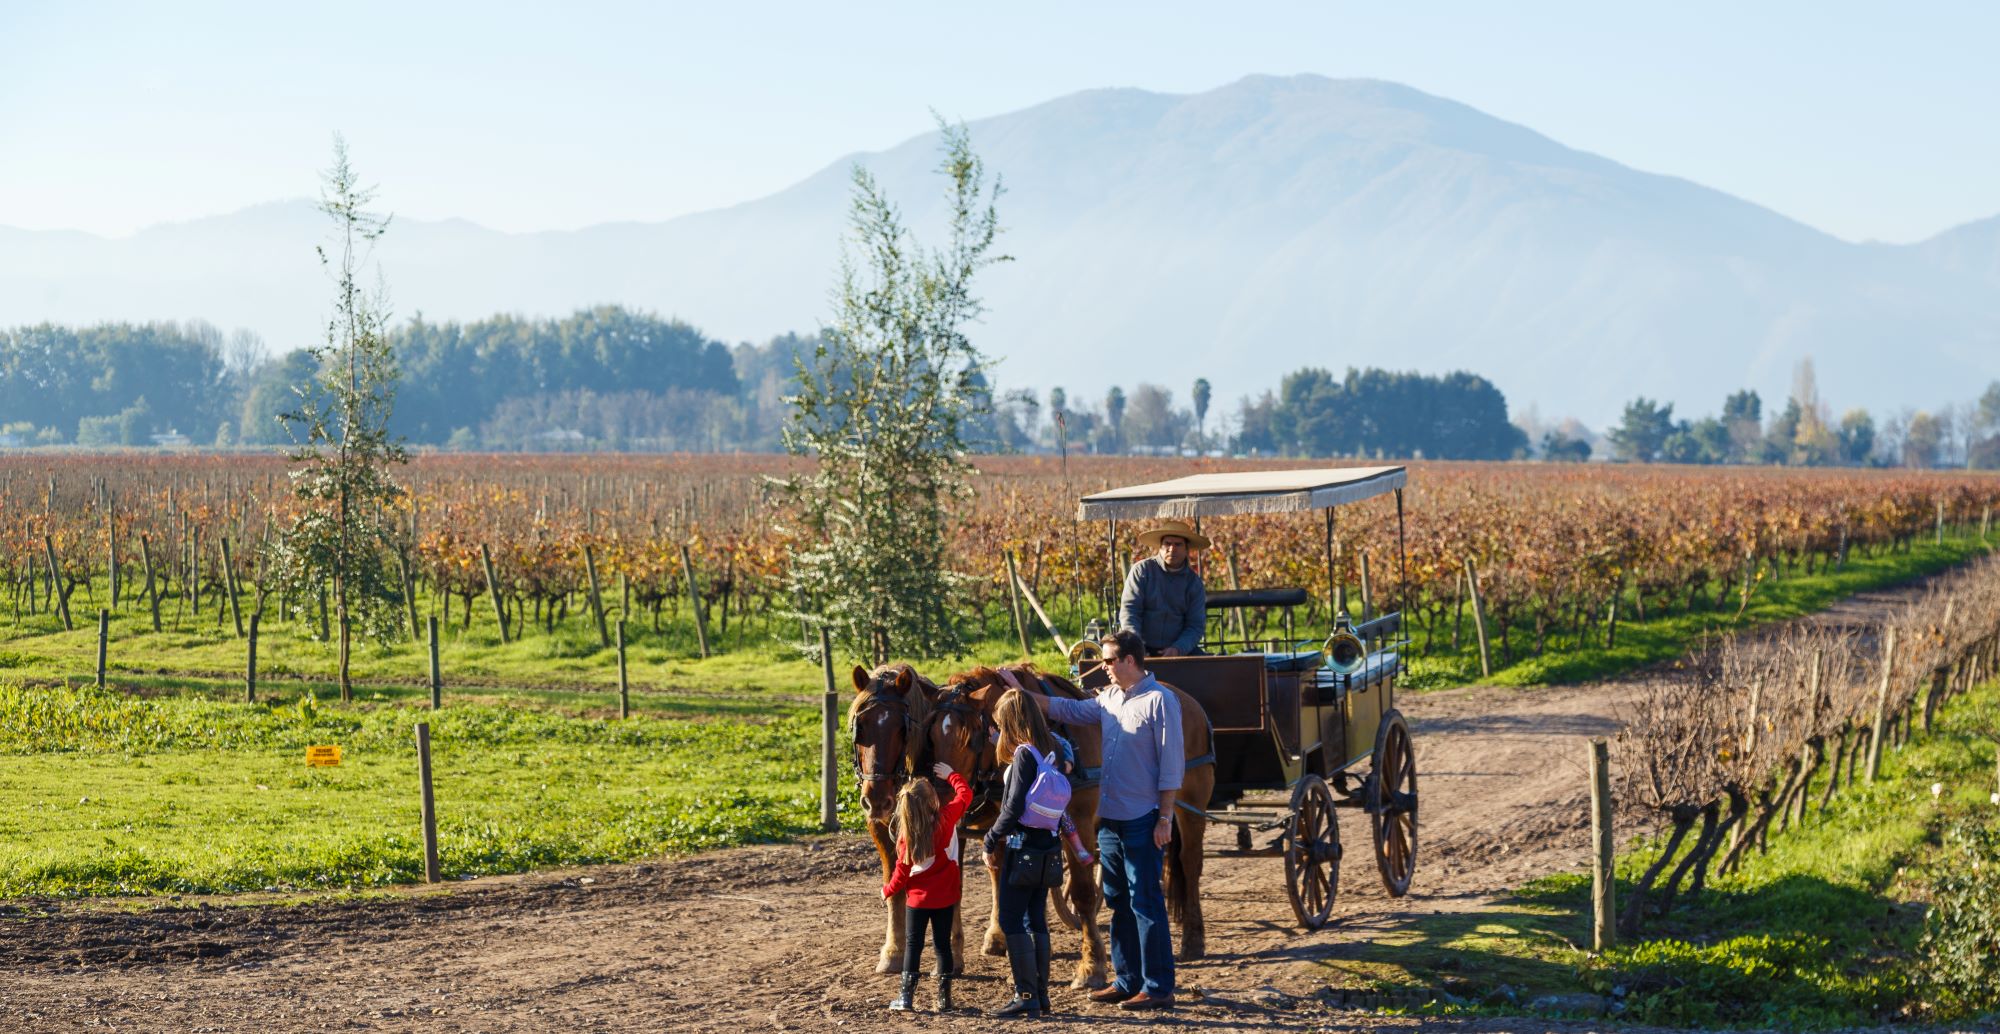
{"x": 1023, "y": 911}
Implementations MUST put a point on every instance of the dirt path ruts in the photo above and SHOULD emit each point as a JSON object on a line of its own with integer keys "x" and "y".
{"x": 784, "y": 937}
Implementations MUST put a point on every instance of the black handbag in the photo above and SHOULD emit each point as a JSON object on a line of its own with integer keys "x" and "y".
{"x": 1035, "y": 868}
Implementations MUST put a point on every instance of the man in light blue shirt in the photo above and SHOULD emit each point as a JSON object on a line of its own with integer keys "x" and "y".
{"x": 1144, "y": 762}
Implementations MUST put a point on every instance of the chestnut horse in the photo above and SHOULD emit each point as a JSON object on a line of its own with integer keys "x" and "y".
{"x": 886, "y": 719}
{"x": 960, "y": 734}
{"x": 970, "y": 749}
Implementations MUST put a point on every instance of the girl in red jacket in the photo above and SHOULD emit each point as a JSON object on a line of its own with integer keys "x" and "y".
{"x": 927, "y": 869}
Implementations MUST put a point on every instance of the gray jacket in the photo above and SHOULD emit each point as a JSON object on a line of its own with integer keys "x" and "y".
{"x": 1167, "y": 608}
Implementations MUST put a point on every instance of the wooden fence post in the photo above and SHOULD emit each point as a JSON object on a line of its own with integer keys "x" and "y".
{"x": 1603, "y": 871}
{"x": 596, "y": 598}
{"x": 1014, "y": 605}
{"x": 250, "y": 666}
{"x": 1478, "y": 619}
{"x": 829, "y": 785}
{"x": 624, "y": 686}
{"x": 437, "y": 680}
{"x": 694, "y": 601}
{"x": 103, "y": 642}
{"x": 493, "y": 590}
{"x": 431, "y": 873}
{"x": 1881, "y": 705}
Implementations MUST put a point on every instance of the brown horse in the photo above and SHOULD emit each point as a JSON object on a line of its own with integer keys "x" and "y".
{"x": 1183, "y": 868}
{"x": 886, "y": 719}
{"x": 968, "y": 746}
{"x": 1184, "y": 851}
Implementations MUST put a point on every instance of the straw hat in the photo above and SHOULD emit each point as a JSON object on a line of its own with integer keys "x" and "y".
{"x": 1150, "y": 538}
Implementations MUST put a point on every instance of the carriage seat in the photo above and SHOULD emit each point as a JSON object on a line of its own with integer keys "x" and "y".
{"x": 1284, "y": 596}
{"x": 1294, "y": 660}
{"x": 1379, "y": 667}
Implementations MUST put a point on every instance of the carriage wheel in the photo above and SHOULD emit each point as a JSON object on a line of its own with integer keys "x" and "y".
{"x": 1392, "y": 804}
{"x": 1311, "y": 847}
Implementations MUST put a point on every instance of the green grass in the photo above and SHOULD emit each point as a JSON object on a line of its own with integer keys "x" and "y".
{"x": 1820, "y": 932}
{"x": 102, "y": 793}
{"x": 1668, "y": 637}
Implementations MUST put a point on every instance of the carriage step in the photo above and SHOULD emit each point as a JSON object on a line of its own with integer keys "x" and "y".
{"x": 1254, "y": 852}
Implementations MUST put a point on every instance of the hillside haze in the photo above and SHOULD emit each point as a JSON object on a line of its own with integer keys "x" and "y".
{"x": 1235, "y": 234}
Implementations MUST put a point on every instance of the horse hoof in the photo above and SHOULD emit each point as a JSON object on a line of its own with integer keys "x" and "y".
{"x": 888, "y": 965}
{"x": 1191, "y": 953}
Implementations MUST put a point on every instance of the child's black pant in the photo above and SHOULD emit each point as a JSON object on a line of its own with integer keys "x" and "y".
{"x": 938, "y": 921}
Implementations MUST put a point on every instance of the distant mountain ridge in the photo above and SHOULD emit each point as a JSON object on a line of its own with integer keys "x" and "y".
{"x": 1235, "y": 234}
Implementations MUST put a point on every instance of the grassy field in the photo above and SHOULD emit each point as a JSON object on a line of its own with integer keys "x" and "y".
{"x": 104, "y": 793}
{"x": 170, "y": 783}
{"x": 1823, "y": 931}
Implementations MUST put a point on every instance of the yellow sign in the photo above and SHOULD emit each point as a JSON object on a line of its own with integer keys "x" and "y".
{"x": 323, "y": 756}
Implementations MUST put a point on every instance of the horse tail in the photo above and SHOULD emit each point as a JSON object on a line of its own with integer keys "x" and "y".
{"x": 1177, "y": 881}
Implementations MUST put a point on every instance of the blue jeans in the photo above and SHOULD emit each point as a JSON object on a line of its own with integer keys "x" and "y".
{"x": 1142, "y": 949}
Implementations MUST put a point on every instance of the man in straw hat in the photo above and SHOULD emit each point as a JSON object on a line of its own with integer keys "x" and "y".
{"x": 1164, "y": 600}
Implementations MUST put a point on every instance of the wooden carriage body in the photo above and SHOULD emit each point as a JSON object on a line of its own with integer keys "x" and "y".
{"x": 1287, "y": 720}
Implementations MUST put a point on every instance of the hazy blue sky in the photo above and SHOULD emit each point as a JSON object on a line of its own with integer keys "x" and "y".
{"x": 1865, "y": 120}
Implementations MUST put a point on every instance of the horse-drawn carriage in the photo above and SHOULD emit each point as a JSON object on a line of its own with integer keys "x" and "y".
{"x": 1284, "y": 734}
{"x": 1297, "y": 732}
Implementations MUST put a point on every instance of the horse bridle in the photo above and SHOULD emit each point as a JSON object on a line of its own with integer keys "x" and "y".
{"x": 955, "y": 700}
{"x": 882, "y": 695}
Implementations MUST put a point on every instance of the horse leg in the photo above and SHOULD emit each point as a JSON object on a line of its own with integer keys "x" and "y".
{"x": 996, "y": 942}
{"x": 891, "y": 960}
{"x": 1093, "y": 958}
{"x": 1184, "y": 887}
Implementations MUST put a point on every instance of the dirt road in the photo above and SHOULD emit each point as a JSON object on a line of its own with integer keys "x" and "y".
{"x": 784, "y": 937}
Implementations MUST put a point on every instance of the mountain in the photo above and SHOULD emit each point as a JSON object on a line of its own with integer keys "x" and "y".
{"x": 1235, "y": 234}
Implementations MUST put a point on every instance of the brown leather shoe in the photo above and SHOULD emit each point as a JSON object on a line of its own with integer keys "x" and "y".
{"x": 1110, "y": 995}
{"x": 1143, "y": 1000}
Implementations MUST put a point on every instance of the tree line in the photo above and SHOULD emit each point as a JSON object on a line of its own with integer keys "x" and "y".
{"x": 611, "y": 378}
{"x": 1802, "y": 434}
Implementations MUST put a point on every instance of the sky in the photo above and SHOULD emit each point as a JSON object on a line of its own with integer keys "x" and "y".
{"x": 1868, "y": 121}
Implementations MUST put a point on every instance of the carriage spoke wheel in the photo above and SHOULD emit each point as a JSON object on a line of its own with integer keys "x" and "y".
{"x": 1392, "y": 804}
{"x": 1311, "y": 846}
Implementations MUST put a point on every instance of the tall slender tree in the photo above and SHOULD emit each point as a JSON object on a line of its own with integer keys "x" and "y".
{"x": 341, "y": 466}
{"x": 884, "y": 404}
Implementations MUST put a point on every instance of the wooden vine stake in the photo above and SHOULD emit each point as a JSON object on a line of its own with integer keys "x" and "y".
{"x": 493, "y": 590}
{"x": 694, "y": 601}
{"x": 1881, "y": 705}
{"x": 1478, "y": 619}
{"x": 1014, "y": 605}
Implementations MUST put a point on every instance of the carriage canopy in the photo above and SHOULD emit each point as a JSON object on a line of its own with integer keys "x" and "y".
{"x": 1243, "y": 492}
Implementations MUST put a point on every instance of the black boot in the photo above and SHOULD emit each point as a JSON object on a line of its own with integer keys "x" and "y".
{"x": 903, "y": 1002}
{"x": 942, "y": 1000}
{"x": 1021, "y": 959}
{"x": 1042, "y": 973}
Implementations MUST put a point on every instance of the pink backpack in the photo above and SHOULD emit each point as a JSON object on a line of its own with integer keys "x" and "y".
{"x": 1048, "y": 795}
